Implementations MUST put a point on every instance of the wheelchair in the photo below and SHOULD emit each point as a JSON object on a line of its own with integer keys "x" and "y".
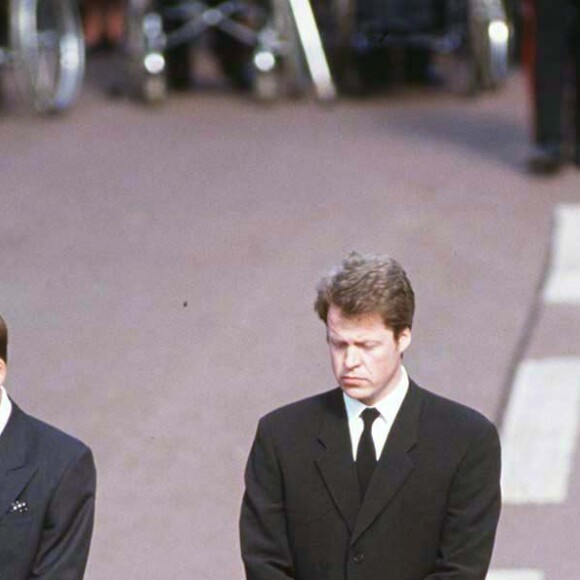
{"x": 255, "y": 42}
{"x": 42, "y": 42}
{"x": 476, "y": 32}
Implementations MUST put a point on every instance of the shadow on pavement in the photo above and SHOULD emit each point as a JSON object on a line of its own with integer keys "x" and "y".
{"x": 487, "y": 134}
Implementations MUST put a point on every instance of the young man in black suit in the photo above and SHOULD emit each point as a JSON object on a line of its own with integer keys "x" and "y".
{"x": 378, "y": 479}
{"x": 47, "y": 494}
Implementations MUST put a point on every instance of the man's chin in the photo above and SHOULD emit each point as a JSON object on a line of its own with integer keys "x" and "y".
{"x": 355, "y": 391}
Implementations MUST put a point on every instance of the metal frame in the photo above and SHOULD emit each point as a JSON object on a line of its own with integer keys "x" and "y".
{"x": 275, "y": 31}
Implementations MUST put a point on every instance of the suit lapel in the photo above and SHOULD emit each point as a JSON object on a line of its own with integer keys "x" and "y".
{"x": 335, "y": 460}
{"x": 15, "y": 471}
{"x": 394, "y": 465}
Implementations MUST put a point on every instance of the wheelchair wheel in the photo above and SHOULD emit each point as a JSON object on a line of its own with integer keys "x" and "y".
{"x": 47, "y": 40}
{"x": 144, "y": 46}
{"x": 489, "y": 34}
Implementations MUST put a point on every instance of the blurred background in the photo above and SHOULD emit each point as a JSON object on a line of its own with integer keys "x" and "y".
{"x": 176, "y": 176}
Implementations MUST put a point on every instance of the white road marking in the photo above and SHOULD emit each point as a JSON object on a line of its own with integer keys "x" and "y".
{"x": 563, "y": 283}
{"x": 523, "y": 574}
{"x": 540, "y": 431}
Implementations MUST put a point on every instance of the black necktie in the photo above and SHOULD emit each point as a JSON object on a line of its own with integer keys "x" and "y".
{"x": 366, "y": 457}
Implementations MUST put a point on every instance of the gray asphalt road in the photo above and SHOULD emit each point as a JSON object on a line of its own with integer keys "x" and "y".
{"x": 158, "y": 277}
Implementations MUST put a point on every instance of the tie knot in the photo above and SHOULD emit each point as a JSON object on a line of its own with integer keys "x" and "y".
{"x": 368, "y": 416}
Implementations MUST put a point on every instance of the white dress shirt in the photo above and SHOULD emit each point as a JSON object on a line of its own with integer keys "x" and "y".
{"x": 388, "y": 409}
{"x": 5, "y": 409}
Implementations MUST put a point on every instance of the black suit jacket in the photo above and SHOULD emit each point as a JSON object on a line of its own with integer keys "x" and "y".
{"x": 431, "y": 508}
{"x": 53, "y": 474}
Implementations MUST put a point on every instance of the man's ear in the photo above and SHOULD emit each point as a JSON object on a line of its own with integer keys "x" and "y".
{"x": 404, "y": 340}
{"x": 2, "y": 371}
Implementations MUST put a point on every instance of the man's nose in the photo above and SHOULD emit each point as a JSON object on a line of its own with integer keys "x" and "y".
{"x": 351, "y": 357}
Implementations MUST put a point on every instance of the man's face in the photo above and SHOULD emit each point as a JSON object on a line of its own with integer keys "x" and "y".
{"x": 365, "y": 356}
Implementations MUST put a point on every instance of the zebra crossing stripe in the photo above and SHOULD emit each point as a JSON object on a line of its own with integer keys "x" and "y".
{"x": 563, "y": 283}
{"x": 516, "y": 574}
{"x": 540, "y": 431}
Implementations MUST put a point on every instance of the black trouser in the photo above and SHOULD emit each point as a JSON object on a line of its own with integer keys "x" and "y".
{"x": 557, "y": 30}
{"x": 3, "y": 23}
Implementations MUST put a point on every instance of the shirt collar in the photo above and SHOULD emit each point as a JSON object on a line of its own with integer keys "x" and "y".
{"x": 388, "y": 407}
{"x": 5, "y": 408}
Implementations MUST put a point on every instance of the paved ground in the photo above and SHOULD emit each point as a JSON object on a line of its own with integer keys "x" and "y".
{"x": 159, "y": 268}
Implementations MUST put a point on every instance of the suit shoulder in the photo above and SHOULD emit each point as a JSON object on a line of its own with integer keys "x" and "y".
{"x": 454, "y": 415}
{"x": 52, "y": 442}
{"x": 299, "y": 411}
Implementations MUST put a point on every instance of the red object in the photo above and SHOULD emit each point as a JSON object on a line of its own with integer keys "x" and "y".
{"x": 528, "y": 37}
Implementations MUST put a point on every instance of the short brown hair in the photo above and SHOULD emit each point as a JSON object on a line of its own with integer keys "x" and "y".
{"x": 365, "y": 284}
{"x": 3, "y": 340}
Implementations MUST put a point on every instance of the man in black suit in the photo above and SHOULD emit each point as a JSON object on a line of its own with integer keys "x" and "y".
{"x": 378, "y": 479}
{"x": 47, "y": 494}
